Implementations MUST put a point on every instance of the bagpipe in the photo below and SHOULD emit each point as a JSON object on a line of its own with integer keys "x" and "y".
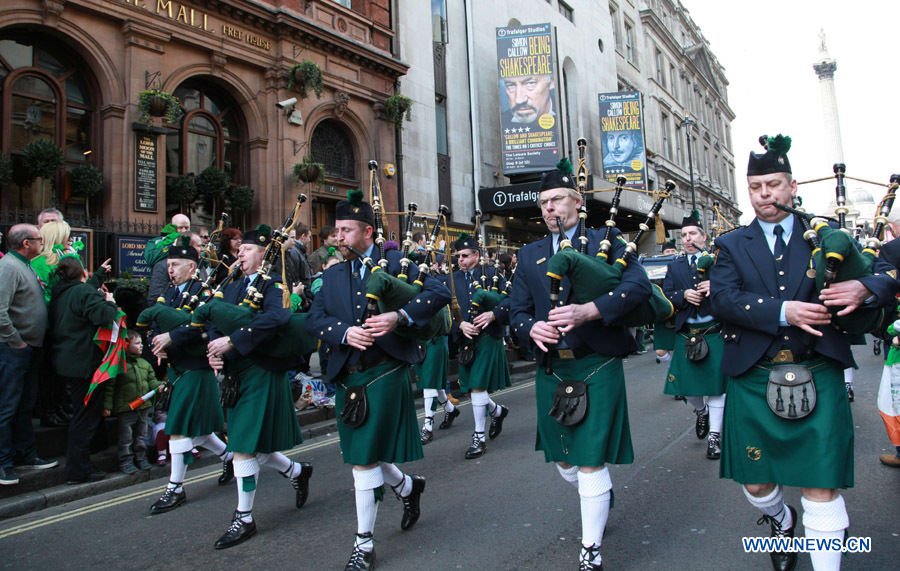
{"x": 211, "y": 256}
{"x": 593, "y": 276}
{"x": 836, "y": 256}
{"x": 290, "y": 341}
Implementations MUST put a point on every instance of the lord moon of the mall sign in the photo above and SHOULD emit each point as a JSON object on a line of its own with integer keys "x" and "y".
{"x": 529, "y": 123}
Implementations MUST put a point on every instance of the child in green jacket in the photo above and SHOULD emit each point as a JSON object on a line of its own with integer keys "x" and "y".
{"x": 126, "y": 387}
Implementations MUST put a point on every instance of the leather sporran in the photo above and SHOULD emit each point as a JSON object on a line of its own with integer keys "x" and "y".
{"x": 791, "y": 392}
{"x": 695, "y": 348}
{"x": 466, "y": 354}
{"x": 356, "y": 406}
{"x": 570, "y": 403}
{"x": 164, "y": 397}
{"x": 231, "y": 389}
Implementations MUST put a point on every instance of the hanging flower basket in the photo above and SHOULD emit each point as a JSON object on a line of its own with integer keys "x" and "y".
{"x": 155, "y": 103}
{"x": 397, "y": 108}
{"x": 310, "y": 171}
{"x": 304, "y": 76}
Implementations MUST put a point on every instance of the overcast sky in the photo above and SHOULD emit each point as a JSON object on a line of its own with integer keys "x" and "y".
{"x": 768, "y": 48}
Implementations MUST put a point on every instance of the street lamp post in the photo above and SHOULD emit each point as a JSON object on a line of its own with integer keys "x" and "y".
{"x": 688, "y": 123}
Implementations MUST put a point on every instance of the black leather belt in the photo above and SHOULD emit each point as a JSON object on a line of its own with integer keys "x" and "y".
{"x": 362, "y": 365}
{"x": 578, "y": 353}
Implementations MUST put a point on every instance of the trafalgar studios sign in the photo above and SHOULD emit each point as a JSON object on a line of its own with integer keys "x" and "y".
{"x": 507, "y": 198}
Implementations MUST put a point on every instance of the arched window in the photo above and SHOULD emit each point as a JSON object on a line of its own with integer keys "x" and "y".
{"x": 332, "y": 147}
{"x": 211, "y": 133}
{"x": 47, "y": 93}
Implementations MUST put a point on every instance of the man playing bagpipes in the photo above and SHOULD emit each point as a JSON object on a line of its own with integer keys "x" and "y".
{"x": 577, "y": 342}
{"x": 787, "y": 418}
{"x": 695, "y": 371}
{"x": 487, "y": 370}
{"x": 261, "y": 421}
{"x": 194, "y": 414}
{"x": 369, "y": 364}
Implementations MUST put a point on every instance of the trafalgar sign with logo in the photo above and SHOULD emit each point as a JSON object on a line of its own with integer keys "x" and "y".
{"x": 529, "y": 124}
{"x": 622, "y": 138}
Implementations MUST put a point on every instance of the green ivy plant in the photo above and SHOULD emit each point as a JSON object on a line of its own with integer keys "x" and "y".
{"x": 86, "y": 179}
{"x": 173, "y": 108}
{"x": 42, "y": 159}
{"x": 126, "y": 281}
{"x": 397, "y": 108}
{"x": 304, "y": 76}
{"x": 308, "y": 170}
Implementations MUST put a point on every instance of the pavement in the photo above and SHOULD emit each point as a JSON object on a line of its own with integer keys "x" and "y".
{"x": 506, "y": 510}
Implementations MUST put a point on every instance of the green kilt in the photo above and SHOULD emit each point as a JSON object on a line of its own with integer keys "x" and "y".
{"x": 263, "y": 419}
{"x": 194, "y": 409}
{"x": 663, "y": 336}
{"x": 391, "y": 433}
{"x": 696, "y": 379}
{"x": 814, "y": 452}
{"x": 433, "y": 371}
{"x": 489, "y": 370}
{"x": 604, "y": 436}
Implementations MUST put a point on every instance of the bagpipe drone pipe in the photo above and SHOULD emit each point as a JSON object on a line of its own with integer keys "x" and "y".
{"x": 593, "y": 276}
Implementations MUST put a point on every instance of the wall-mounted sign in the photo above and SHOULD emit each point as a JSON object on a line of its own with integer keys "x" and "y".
{"x": 130, "y": 256}
{"x": 145, "y": 192}
{"x": 85, "y": 253}
{"x": 622, "y": 139}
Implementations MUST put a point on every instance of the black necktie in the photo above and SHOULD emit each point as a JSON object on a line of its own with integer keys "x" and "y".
{"x": 780, "y": 246}
{"x": 244, "y": 285}
{"x": 559, "y": 239}
{"x": 357, "y": 274}
{"x": 693, "y": 262}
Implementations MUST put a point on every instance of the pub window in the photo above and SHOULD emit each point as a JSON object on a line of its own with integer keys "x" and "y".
{"x": 46, "y": 94}
{"x": 332, "y": 147}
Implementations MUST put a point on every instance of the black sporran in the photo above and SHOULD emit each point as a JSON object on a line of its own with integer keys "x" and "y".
{"x": 356, "y": 406}
{"x": 164, "y": 396}
{"x": 791, "y": 392}
{"x": 570, "y": 403}
{"x": 466, "y": 354}
{"x": 695, "y": 348}
{"x": 231, "y": 389}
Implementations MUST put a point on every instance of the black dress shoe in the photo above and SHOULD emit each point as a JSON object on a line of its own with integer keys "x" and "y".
{"x": 301, "y": 483}
{"x": 478, "y": 448}
{"x": 94, "y": 476}
{"x": 702, "y": 426}
{"x": 713, "y": 446}
{"x": 449, "y": 417}
{"x": 782, "y": 560}
{"x": 227, "y": 472}
{"x": 427, "y": 436}
{"x": 361, "y": 560}
{"x": 497, "y": 423}
{"x": 587, "y": 558}
{"x": 411, "y": 503}
{"x": 239, "y": 532}
{"x": 168, "y": 501}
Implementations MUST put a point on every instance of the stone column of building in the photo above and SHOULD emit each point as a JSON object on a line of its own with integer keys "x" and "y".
{"x": 825, "y": 68}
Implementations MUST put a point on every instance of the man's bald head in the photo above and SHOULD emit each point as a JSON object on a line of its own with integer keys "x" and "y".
{"x": 182, "y": 223}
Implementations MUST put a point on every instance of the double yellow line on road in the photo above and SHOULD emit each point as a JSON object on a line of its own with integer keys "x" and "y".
{"x": 106, "y": 504}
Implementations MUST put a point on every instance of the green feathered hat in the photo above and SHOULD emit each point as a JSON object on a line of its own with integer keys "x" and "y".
{"x": 560, "y": 177}
{"x": 261, "y": 236}
{"x": 182, "y": 250}
{"x": 465, "y": 242}
{"x": 774, "y": 159}
{"x": 355, "y": 208}
{"x": 692, "y": 220}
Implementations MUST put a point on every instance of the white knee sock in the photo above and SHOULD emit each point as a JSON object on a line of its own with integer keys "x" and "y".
{"x": 826, "y": 521}
{"x": 594, "y": 489}
{"x": 479, "y": 409}
{"x": 212, "y": 443}
{"x": 429, "y": 395}
{"x": 665, "y": 358}
{"x": 245, "y": 474}
{"x": 716, "y": 413}
{"x": 848, "y": 376}
{"x": 569, "y": 474}
{"x": 444, "y": 401}
{"x": 365, "y": 481}
{"x": 697, "y": 402}
{"x": 772, "y": 505}
{"x": 396, "y": 479}
{"x": 178, "y": 469}
{"x": 280, "y": 462}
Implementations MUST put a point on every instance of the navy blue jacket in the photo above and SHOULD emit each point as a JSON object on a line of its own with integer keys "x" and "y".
{"x": 680, "y": 277}
{"x": 341, "y": 304}
{"x": 531, "y": 297}
{"x": 184, "y": 334}
{"x": 464, "y": 296}
{"x": 746, "y": 299}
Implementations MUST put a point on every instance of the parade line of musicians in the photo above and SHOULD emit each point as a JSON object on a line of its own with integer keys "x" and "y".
{"x": 757, "y": 346}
